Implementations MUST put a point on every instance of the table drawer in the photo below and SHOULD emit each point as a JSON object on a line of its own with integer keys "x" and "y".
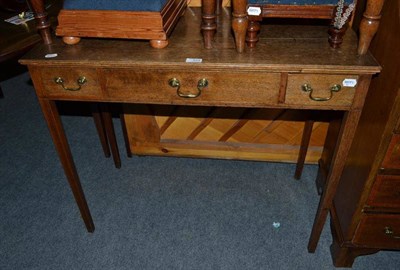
{"x": 379, "y": 231}
{"x": 242, "y": 89}
{"x": 320, "y": 90}
{"x": 71, "y": 83}
{"x": 385, "y": 192}
{"x": 392, "y": 158}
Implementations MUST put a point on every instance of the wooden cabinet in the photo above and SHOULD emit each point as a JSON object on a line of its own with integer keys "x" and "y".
{"x": 366, "y": 208}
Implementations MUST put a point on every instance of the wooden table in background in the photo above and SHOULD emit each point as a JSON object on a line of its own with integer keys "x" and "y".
{"x": 15, "y": 40}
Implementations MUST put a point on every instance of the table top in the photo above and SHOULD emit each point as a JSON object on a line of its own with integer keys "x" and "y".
{"x": 289, "y": 48}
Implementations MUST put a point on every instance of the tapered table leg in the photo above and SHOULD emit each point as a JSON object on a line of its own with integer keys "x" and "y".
{"x": 101, "y": 130}
{"x": 60, "y": 141}
{"x": 305, "y": 142}
{"x": 339, "y": 158}
{"x": 109, "y": 127}
{"x": 343, "y": 143}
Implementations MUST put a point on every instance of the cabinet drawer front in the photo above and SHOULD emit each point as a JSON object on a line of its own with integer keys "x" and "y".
{"x": 385, "y": 192}
{"x": 322, "y": 90}
{"x": 379, "y": 231}
{"x": 69, "y": 87}
{"x": 243, "y": 89}
{"x": 392, "y": 158}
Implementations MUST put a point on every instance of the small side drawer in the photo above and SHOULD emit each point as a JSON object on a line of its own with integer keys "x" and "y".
{"x": 392, "y": 157}
{"x": 68, "y": 86}
{"x": 378, "y": 231}
{"x": 385, "y": 192}
{"x": 322, "y": 90}
{"x": 231, "y": 88}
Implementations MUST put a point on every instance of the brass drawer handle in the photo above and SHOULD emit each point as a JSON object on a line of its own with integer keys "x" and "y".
{"x": 389, "y": 232}
{"x": 201, "y": 84}
{"x": 81, "y": 81}
{"x": 307, "y": 88}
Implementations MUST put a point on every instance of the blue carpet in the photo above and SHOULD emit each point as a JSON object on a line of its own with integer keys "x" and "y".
{"x": 154, "y": 212}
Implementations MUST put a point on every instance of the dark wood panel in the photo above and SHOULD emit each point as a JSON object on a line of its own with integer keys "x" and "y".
{"x": 385, "y": 192}
{"x": 392, "y": 157}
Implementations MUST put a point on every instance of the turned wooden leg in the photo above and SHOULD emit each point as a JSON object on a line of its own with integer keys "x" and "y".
{"x": 369, "y": 24}
{"x": 71, "y": 40}
{"x": 239, "y": 23}
{"x": 305, "y": 141}
{"x": 208, "y": 25}
{"x": 159, "y": 44}
{"x": 42, "y": 23}
{"x": 56, "y": 129}
{"x": 252, "y": 33}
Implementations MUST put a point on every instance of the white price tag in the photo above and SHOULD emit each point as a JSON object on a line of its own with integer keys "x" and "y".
{"x": 51, "y": 55}
{"x": 254, "y": 11}
{"x": 349, "y": 82}
{"x": 194, "y": 60}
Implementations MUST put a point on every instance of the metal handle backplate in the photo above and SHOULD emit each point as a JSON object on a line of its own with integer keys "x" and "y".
{"x": 307, "y": 88}
{"x": 80, "y": 81}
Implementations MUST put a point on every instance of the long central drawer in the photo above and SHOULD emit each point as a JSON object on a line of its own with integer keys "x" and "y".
{"x": 192, "y": 87}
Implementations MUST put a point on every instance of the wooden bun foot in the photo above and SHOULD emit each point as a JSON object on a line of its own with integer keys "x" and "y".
{"x": 71, "y": 40}
{"x": 159, "y": 44}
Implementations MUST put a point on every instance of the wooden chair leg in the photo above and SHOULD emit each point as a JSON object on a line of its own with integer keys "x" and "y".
{"x": 109, "y": 128}
{"x": 101, "y": 130}
{"x": 252, "y": 33}
{"x": 239, "y": 23}
{"x": 305, "y": 141}
{"x": 42, "y": 23}
{"x": 209, "y": 25}
{"x": 369, "y": 24}
{"x": 336, "y": 36}
{"x": 1, "y": 93}
{"x": 218, "y": 7}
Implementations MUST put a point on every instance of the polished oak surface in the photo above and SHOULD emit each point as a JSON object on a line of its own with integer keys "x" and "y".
{"x": 289, "y": 48}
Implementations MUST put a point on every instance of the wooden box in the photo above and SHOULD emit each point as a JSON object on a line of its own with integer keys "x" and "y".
{"x": 146, "y": 25}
